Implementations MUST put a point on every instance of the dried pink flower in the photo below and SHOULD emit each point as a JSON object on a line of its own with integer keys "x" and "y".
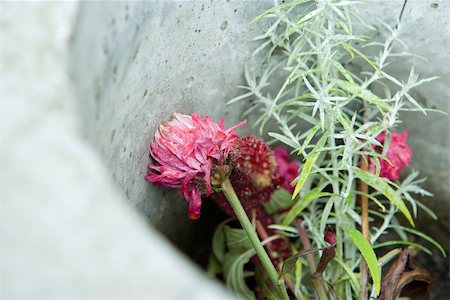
{"x": 185, "y": 150}
{"x": 287, "y": 167}
{"x": 399, "y": 155}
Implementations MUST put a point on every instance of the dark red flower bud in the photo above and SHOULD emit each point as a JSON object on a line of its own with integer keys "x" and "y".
{"x": 330, "y": 237}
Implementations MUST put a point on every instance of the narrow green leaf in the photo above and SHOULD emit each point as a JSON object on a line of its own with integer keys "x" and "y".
{"x": 362, "y": 93}
{"x": 352, "y": 276}
{"x": 309, "y": 163}
{"x": 234, "y": 273}
{"x": 343, "y": 71}
{"x": 284, "y": 139}
{"x": 308, "y": 139}
{"x": 422, "y": 235}
{"x": 301, "y": 204}
{"x": 218, "y": 243}
{"x": 290, "y": 263}
{"x": 278, "y": 8}
{"x": 284, "y": 230}
{"x": 351, "y": 49}
{"x": 374, "y": 199}
{"x": 408, "y": 243}
{"x": 383, "y": 187}
{"x": 298, "y": 271}
{"x": 325, "y": 214}
{"x": 367, "y": 252}
{"x": 388, "y": 257}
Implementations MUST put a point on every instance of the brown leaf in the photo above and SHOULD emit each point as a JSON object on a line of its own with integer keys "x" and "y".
{"x": 406, "y": 279}
{"x": 327, "y": 256}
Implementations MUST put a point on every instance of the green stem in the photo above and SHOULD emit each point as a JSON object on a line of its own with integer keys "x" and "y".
{"x": 230, "y": 194}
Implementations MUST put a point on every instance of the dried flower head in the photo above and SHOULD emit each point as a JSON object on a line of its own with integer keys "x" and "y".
{"x": 185, "y": 149}
{"x": 287, "y": 167}
{"x": 399, "y": 154}
{"x": 254, "y": 176}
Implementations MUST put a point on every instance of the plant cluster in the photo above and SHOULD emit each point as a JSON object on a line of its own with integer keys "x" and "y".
{"x": 328, "y": 219}
{"x": 332, "y": 115}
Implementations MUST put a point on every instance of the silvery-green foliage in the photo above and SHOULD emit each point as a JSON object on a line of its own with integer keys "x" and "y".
{"x": 329, "y": 113}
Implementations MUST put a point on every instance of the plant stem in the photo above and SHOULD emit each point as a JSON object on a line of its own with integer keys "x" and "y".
{"x": 363, "y": 188}
{"x": 315, "y": 278}
{"x": 241, "y": 215}
{"x": 263, "y": 235}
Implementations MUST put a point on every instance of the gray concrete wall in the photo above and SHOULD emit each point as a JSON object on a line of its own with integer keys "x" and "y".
{"x": 136, "y": 63}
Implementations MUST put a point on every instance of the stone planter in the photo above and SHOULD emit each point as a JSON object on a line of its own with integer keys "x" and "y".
{"x": 131, "y": 65}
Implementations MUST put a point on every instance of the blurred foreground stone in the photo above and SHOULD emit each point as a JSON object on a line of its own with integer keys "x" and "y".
{"x": 65, "y": 232}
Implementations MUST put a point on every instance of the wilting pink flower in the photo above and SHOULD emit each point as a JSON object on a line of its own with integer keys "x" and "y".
{"x": 287, "y": 167}
{"x": 399, "y": 155}
{"x": 184, "y": 150}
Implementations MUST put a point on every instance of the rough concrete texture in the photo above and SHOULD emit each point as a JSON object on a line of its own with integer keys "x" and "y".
{"x": 136, "y": 63}
{"x": 64, "y": 231}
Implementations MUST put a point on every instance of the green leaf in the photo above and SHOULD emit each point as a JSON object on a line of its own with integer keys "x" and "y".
{"x": 214, "y": 266}
{"x": 383, "y": 187}
{"x": 284, "y": 139}
{"x": 354, "y": 282}
{"x": 308, "y": 139}
{"x": 263, "y": 282}
{"x": 284, "y": 230}
{"x": 290, "y": 263}
{"x": 408, "y": 243}
{"x": 301, "y": 204}
{"x": 343, "y": 71}
{"x": 367, "y": 252}
{"x": 362, "y": 93}
{"x": 236, "y": 240}
{"x": 298, "y": 272}
{"x": 422, "y": 235}
{"x": 388, "y": 257}
{"x": 234, "y": 273}
{"x": 309, "y": 163}
{"x": 278, "y": 8}
{"x": 218, "y": 243}
{"x": 352, "y": 49}
{"x": 281, "y": 199}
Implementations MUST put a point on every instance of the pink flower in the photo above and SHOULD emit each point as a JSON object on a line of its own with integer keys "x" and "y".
{"x": 185, "y": 149}
{"x": 399, "y": 155}
{"x": 287, "y": 168}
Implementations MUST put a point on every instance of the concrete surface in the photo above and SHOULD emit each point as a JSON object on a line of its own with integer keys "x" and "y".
{"x": 136, "y": 63}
